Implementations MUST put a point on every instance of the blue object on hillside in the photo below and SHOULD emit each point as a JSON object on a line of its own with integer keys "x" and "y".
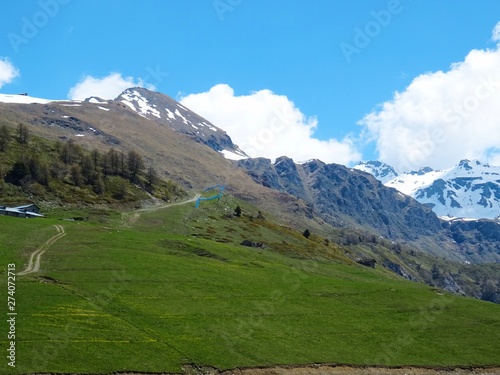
{"x": 218, "y": 196}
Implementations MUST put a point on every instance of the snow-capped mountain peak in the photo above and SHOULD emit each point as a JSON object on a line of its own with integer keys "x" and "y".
{"x": 470, "y": 189}
{"x": 381, "y": 171}
{"x": 164, "y": 109}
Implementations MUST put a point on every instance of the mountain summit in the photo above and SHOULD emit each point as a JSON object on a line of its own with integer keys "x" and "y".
{"x": 381, "y": 171}
{"x": 162, "y": 108}
{"x": 470, "y": 189}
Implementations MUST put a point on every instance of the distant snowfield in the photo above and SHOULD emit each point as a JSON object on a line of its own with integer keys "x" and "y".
{"x": 468, "y": 191}
{"x": 22, "y": 99}
{"x": 25, "y": 99}
{"x": 409, "y": 183}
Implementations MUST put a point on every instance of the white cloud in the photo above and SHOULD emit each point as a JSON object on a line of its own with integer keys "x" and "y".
{"x": 442, "y": 117}
{"x": 265, "y": 124}
{"x": 108, "y": 87}
{"x": 495, "y": 36}
{"x": 7, "y": 71}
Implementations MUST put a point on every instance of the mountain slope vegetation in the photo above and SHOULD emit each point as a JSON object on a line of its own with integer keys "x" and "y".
{"x": 171, "y": 291}
{"x": 64, "y": 173}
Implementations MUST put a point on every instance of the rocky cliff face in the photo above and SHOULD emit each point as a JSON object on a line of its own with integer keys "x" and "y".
{"x": 343, "y": 196}
{"x": 346, "y": 197}
{"x": 477, "y": 240}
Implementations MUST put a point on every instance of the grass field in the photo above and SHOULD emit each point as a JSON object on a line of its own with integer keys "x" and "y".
{"x": 173, "y": 287}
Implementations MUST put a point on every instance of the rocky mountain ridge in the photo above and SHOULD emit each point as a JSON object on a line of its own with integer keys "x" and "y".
{"x": 470, "y": 189}
{"x": 162, "y": 108}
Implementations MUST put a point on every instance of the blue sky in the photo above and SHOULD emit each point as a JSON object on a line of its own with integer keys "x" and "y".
{"x": 294, "y": 49}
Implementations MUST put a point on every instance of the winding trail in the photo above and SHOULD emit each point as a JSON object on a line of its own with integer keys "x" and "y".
{"x": 131, "y": 217}
{"x": 34, "y": 262}
{"x": 154, "y": 208}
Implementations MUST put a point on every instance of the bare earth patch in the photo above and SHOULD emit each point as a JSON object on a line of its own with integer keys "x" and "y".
{"x": 336, "y": 370}
{"x": 349, "y": 370}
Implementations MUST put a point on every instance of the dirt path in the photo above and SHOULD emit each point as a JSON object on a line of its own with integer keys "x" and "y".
{"x": 34, "y": 262}
{"x": 130, "y": 218}
{"x": 155, "y": 208}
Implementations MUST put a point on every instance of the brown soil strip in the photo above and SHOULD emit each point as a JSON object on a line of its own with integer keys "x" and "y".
{"x": 325, "y": 369}
{"x": 36, "y": 256}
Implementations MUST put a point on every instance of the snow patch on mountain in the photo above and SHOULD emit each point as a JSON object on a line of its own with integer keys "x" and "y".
{"x": 22, "y": 99}
{"x": 234, "y": 155}
{"x": 409, "y": 183}
{"x": 139, "y": 104}
{"x": 160, "y": 107}
{"x": 381, "y": 171}
{"x": 469, "y": 190}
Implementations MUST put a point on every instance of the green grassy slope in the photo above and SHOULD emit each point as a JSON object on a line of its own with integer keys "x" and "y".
{"x": 140, "y": 292}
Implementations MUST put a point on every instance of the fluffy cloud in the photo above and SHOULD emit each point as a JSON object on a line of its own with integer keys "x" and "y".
{"x": 495, "y": 36}
{"x": 443, "y": 117}
{"x": 108, "y": 87}
{"x": 7, "y": 71}
{"x": 268, "y": 125}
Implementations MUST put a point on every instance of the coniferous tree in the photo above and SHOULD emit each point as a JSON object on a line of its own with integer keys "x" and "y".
{"x": 135, "y": 164}
{"x": 18, "y": 173}
{"x": 88, "y": 169}
{"x": 70, "y": 152}
{"x": 106, "y": 165}
{"x": 44, "y": 174}
{"x": 122, "y": 190}
{"x": 2, "y": 177}
{"x": 34, "y": 166}
{"x": 76, "y": 175}
{"x": 111, "y": 163}
{"x": 22, "y": 133}
{"x": 57, "y": 169}
{"x": 99, "y": 186}
{"x": 96, "y": 158}
{"x": 488, "y": 291}
{"x": 151, "y": 176}
{"x": 122, "y": 163}
{"x": 4, "y": 137}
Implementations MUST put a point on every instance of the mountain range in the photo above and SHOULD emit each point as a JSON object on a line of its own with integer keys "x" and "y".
{"x": 468, "y": 190}
{"x": 371, "y": 213}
